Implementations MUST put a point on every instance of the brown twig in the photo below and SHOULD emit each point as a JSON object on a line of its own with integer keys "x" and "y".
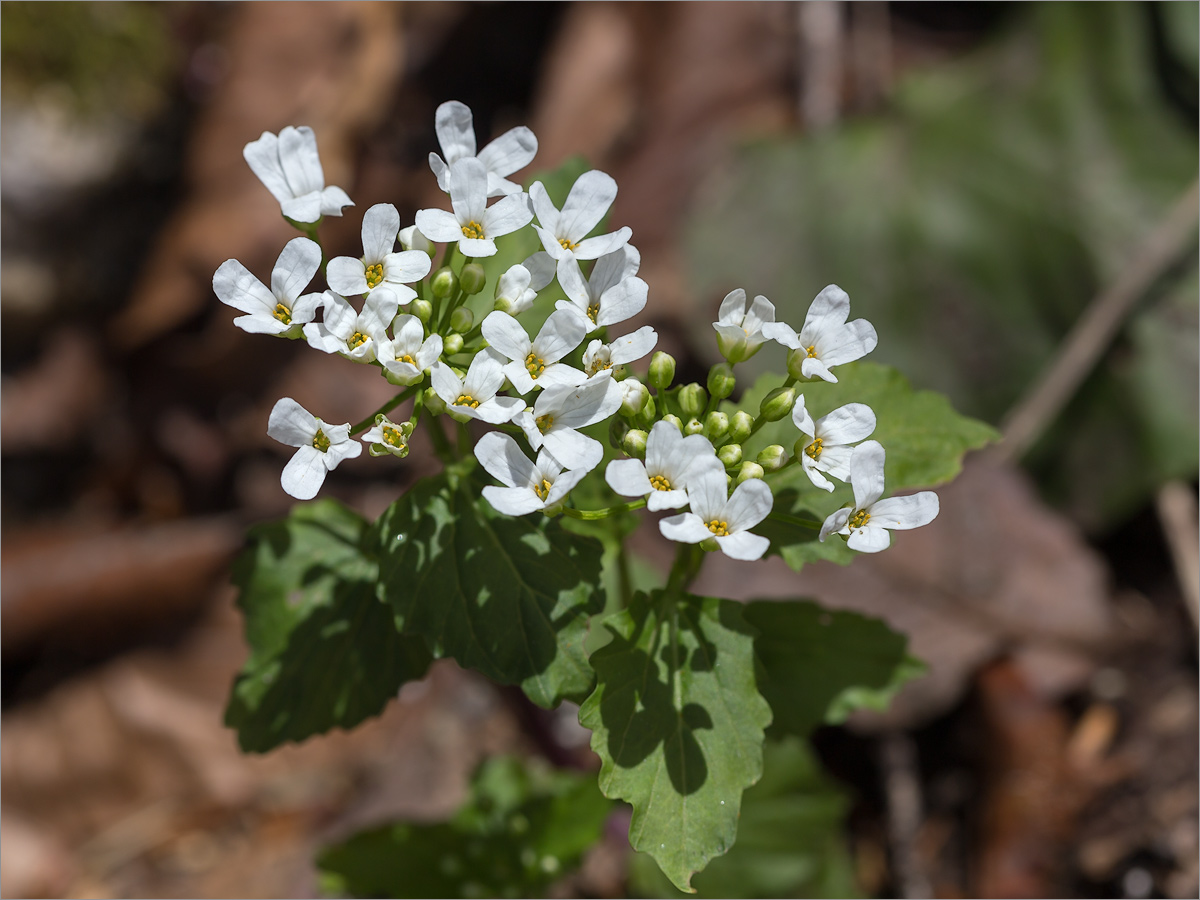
{"x": 1177, "y": 513}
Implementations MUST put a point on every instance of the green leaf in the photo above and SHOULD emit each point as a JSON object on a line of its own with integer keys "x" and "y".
{"x": 508, "y": 597}
{"x": 678, "y": 723}
{"x": 324, "y": 651}
{"x": 818, "y": 665}
{"x": 791, "y": 840}
{"x": 519, "y": 830}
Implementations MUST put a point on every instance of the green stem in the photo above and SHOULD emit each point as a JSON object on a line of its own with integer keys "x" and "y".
{"x": 386, "y": 408}
{"x": 441, "y": 445}
{"x": 688, "y": 559}
{"x": 592, "y": 514}
{"x": 794, "y": 520}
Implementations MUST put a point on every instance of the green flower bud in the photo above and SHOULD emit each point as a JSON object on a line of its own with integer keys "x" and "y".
{"x": 710, "y": 545}
{"x": 749, "y": 470}
{"x": 721, "y": 381}
{"x": 422, "y": 309}
{"x": 634, "y": 395}
{"x": 772, "y": 458}
{"x": 662, "y": 370}
{"x": 740, "y": 426}
{"x": 692, "y": 399}
{"x": 674, "y": 420}
{"x": 472, "y": 279}
{"x": 730, "y": 455}
{"x": 647, "y": 417}
{"x": 693, "y": 426}
{"x": 502, "y": 305}
{"x": 777, "y": 404}
{"x": 552, "y": 511}
{"x": 433, "y": 402}
{"x": 451, "y": 344}
{"x": 716, "y": 424}
{"x": 444, "y": 282}
{"x": 794, "y": 360}
{"x": 461, "y": 320}
{"x": 635, "y": 443}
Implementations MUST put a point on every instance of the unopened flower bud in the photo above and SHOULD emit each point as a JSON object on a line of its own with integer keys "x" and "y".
{"x": 444, "y": 282}
{"x": 795, "y": 359}
{"x": 662, "y": 370}
{"x": 716, "y": 424}
{"x": 461, "y": 320}
{"x": 721, "y": 381}
{"x": 552, "y": 511}
{"x": 730, "y": 455}
{"x": 740, "y": 426}
{"x": 693, "y": 426}
{"x": 433, "y": 402}
{"x": 710, "y": 545}
{"x": 674, "y": 420}
{"x": 412, "y": 239}
{"x": 451, "y": 344}
{"x": 772, "y": 458}
{"x": 422, "y": 309}
{"x": 692, "y": 399}
{"x": 472, "y": 279}
{"x": 777, "y": 404}
{"x": 635, "y": 443}
{"x": 749, "y": 470}
{"x": 634, "y": 395}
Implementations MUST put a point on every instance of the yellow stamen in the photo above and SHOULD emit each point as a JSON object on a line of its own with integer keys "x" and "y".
{"x": 813, "y": 450}
{"x": 407, "y": 359}
{"x": 593, "y": 311}
{"x": 812, "y": 351}
{"x": 473, "y": 230}
{"x": 320, "y": 441}
{"x": 356, "y": 340}
{"x": 374, "y": 274}
{"x": 660, "y": 483}
{"x": 719, "y": 528}
{"x": 283, "y": 314}
{"x": 467, "y": 400}
{"x": 544, "y": 423}
{"x": 566, "y": 244}
{"x": 535, "y": 365}
{"x": 393, "y": 436}
{"x": 542, "y": 490}
{"x": 859, "y": 519}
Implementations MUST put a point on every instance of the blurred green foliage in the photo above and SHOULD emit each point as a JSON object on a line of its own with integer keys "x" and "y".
{"x": 973, "y": 221}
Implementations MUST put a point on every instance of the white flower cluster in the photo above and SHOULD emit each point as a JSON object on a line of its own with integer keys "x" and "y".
{"x": 545, "y": 388}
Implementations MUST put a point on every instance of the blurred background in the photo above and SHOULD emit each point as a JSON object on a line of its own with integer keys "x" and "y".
{"x": 1007, "y": 191}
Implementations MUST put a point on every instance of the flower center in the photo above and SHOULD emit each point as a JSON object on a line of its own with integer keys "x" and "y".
{"x": 812, "y": 351}
{"x": 544, "y": 423}
{"x": 467, "y": 400}
{"x": 859, "y": 519}
{"x": 473, "y": 230}
{"x": 374, "y": 274}
{"x": 542, "y": 490}
{"x": 599, "y": 363}
{"x": 283, "y": 314}
{"x": 320, "y": 441}
{"x": 567, "y": 244}
{"x": 535, "y": 365}
{"x": 407, "y": 359}
{"x": 356, "y": 340}
{"x": 393, "y": 436}
{"x": 813, "y": 450}
{"x": 660, "y": 483}
{"x": 719, "y": 528}
{"x": 593, "y": 311}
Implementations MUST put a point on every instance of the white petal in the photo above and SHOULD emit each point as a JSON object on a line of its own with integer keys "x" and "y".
{"x": 707, "y": 493}
{"x": 430, "y": 351}
{"x": 439, "y": 225}
{"x": 406, "y": 266}
{"x": 468, "y": 190}
{"x": 613, "y": 268}
{"x": 409, "y": 334}
{"x": 544, "y": 208}
{"x": 815, "y": 476}
{"x": 519, "y": 376}
{"x": 295, "y": 268}
{"x": 263, "y": 157}
{"x": 506, "y": 215}
{"x": 733, "y": 308}
{"x": 687, "y": 528}
{"x": 261, "y": 324}
{"x": 455, "y": 130}
{"x": 664, "y": 453}
{"x": 306, "y": 306}
{"x": 595, "y": 400}
{"x": 236, "y": 286}
{"x": 497, "y": 410}
{"x": 291, "y": 424}
{"x": 340, "y": 317}
{"x": 628, "y": 478}
{"x": 346, "y": 275}
{"x": 828, "y": 311}
{"x": 321, "y": 338}
{"x": 512, "y": 501}
{"x": 574, "y": 285}
{"x": 301, "y": 164}
{"x": 630, "y": 347}
{"x": 485, "y": 375}
{"x": 445, "y": 383}
{"x": 379, "y": 309}
{"x": 500, "y": 455}
{"x": 380, "y": 228}
{"x": 333, "y": 199}
{"x": 812, "y": 367}
{"x": 743, "y": 545}
{"x": 305, "y": 208}
{"x": 513, "y": 150}
{"x": 572, "y": 449}
{"x": 561, "y": 373}
{"x": 836, "y": 461}
{"x": 552, "y": 247}
{"x": 852, "y": 341}
{"x": 902, "y": 513}
{"x": 866, "y": 473}
{"x": 750, "y": 504}
{"x": 602, "y": 245}
{"x": 563, "y": 484}
{"x": 845, "y": 425}
{"x": 506, "y": 335}
{"x": 590, "y": 197}
{"x": 561, "y": 333}
{"x": 762, "y": 312}
{"x": 624, "y": 301}
{"x": 541, "y": 268}
{"x": 304, "y": 473}
{"x": 525, "y": 421}
{"x": 781, "y": 333}
{"x": 441, "y": 171}
{"x": 660, "y": 500}
{"x": 803, "y": 420}
{"x": 477, "y": 248}
{"x": 869, "y": 539}
{"x": 835, "y": 522}
{"x": 513, "y": 284}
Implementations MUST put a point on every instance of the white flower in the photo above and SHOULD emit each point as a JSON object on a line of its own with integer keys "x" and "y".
{"x": 612, "y": 294}
{"x": 740, "y": 332}
{"x": 717, "y": 516}
{"x": 560, "y": 410}
{"x": 322, "y": 447}
{"x": 518, "y": 287}
{"x": 528, "y": 486}
{"x": 475, "y": 396}
{"x": 291, "y": 170}
{"x": 564, "y": 233}
{"x": 511, "y": 151}
{"x": 410, "y": 353}
{"x": 671, "y": 459}
{"x": 280, "y": 310}
{"x": 474, "y": 225}
{"x": 536, "y": 363}
{"x": 412, "y": 239}
{"x": 379, "y": 265}
{"x": 357, "y": 336}
{"x": 827, "y": 338}
{"x": 387, "y": 436}
{"x": 600, "y": 357}
{"x": 829, "y": 438}
{"x": 867, "y": 523}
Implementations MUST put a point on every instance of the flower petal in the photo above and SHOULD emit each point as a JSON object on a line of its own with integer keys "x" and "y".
{"x": 439, "y": 225}
{"x": 544, "y": 208}
{"x": 236, "y": 286}
{"x": 506, "y": 335}
{"x": 687, "y": 528}
{"x": 291, "y": 424}
{"x": 300, "y": 161}
{"x": 733, "y": 308}
{"x": 852, "y": 341}
{"x": 562, "y": 332}
{"x": 304, "y": 473}
{"x": 869, "y": 539}
{"x": 613, "y": 268}
{"x": 295, "y": 268}
{"x": 563, "y": 484}
{"x": 261, "y": 324}
{"x": 513, "y": 150}
{"x": 512, "y": 501}
{"x": 541, "y": 268}
{"x": 781, "y": 333}
{"x": 380, "y": 228}
{"x": 468, "y": 190}
{"x": 445, "y": 383}
{"x": 866, "y": 473}
{"x": 477, "y": 248}
{"x": 903, "y": 513}
{"x": 263, "y": 158}
{"x": 628, "y": 478}
{"x": 835, "y": 522}
{"x": 346, "y": 275}
{"x": 635, "y": 345}
{"x": 802, "y": 419}
{"x": 750, "y": 504}
{"x": 497, "y": 410}
{"x": 572, "y": 449}
{"x": 589, "y": 199}
{"x": 333, "y": 199}
{"x": 506, "y": 215}
{"x": 503, "y": 459}
{"x": 707, "y": 492}
{"x": 455, "y": 130}
{"x": 743, "y": 545}
{"x": 603, "y": 244}
{"x": 845, "y": 425}
{"x": 827, "y": 312}
{"x": 406, "y": 267}
{"x": 623, "y": 301}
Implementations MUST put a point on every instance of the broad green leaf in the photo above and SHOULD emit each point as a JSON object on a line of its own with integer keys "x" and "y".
{"x": 791, "y": 839}
{"x": 819, "y": 665}
{"x": 324, "y": 651}
{"x": 678, "y": 723}
{"x": 508, "y": 597}
{"x": 519, "y": 830}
